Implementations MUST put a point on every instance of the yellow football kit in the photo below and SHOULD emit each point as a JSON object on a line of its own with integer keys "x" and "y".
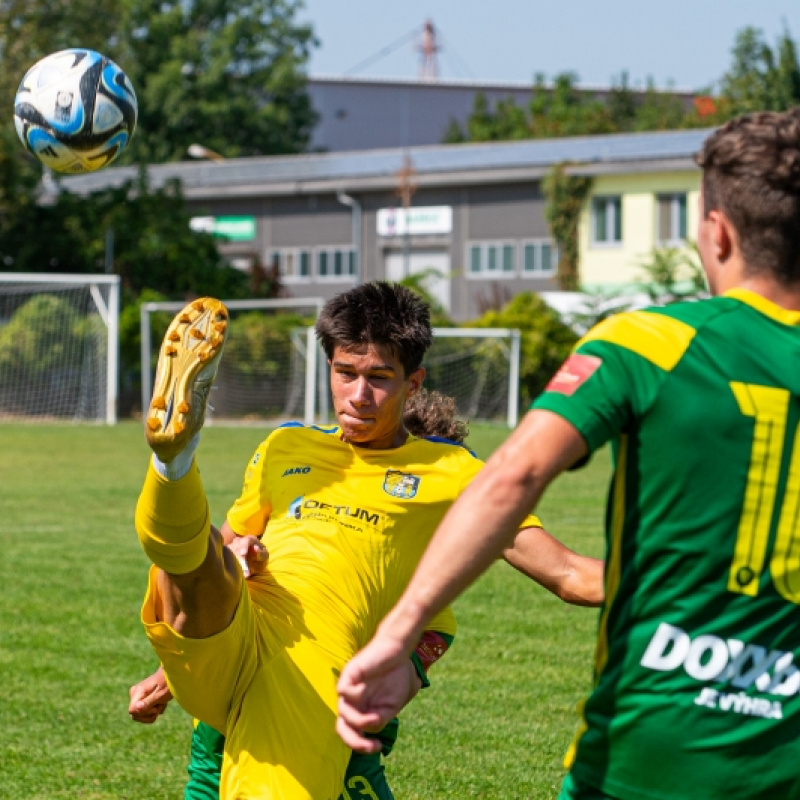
{"x": 345, "y": 527}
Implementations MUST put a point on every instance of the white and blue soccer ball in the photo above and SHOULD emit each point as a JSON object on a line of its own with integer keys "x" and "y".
{"x": 75, "y": 110}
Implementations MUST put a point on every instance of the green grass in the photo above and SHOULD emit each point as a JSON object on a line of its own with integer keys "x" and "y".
{"x": 494, "y": 724}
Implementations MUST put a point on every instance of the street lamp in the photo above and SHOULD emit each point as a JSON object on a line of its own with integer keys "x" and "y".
{"x": 201, "y": 151}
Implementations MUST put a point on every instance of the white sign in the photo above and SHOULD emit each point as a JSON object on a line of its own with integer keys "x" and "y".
{"x": 415, "y": 221}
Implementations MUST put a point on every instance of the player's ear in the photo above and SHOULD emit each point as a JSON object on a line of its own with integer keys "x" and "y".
{"x": 415, "y": 381}
{"x": 723, "y": 235}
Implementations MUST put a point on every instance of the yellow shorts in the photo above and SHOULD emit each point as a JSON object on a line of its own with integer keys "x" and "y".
{"x": 269, "y": 688}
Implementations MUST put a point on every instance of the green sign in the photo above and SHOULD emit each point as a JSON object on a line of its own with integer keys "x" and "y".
{"x": 234, "y": 229}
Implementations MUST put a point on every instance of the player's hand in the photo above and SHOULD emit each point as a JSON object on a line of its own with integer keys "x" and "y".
{"x": 149, "y": 698}
{"x": 373, "y": 687}
{"x": 251, "y": 554}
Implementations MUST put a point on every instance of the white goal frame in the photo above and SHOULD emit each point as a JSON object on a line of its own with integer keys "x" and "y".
{"x": 108, "y": 312}
{"x": 514, "y": 337}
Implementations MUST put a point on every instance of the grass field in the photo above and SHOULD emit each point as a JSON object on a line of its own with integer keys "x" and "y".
{"x": 494, "y": 724}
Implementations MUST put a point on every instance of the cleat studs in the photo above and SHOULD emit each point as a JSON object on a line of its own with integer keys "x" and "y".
{"x": 178, "y": 427}
{"x": 220, "y": 326}
{"x": 196, "y": 334}
{"x": 174, "y": 336}
{"x": 153, "y": 423}
{"x": 170, "y": 351}
{"x": 183, "y": 408}
{"x": 203, "y": 356}
{"x": 159, "y": 403}
{"x": 199, "y": 305}
{"x": 184, "y": 318}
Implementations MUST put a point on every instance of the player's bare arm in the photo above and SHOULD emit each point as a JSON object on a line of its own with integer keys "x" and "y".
{"x": 476, "y": 530}
{"x": 573, "y": 578}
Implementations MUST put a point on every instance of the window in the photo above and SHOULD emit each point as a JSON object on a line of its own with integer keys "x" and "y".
{"x": 607, "y": 220}
{"x": 539, "y": 257}
{"x": 671, "y": 221}
{"x": 492, "y": 258}
{"x": 336, "y": 262}
{"x": 293, "y": 263}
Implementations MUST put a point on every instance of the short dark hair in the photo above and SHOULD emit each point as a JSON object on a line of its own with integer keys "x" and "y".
{"x": 751, "y": 172}
{"x": 383, "y": 313}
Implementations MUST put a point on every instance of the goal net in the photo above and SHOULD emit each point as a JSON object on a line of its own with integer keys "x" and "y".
{"x": 58, "y": 347}
{"x": 273, "y": 369}
{"x": 268, "y": 372}
{"x": 479, "y": 369}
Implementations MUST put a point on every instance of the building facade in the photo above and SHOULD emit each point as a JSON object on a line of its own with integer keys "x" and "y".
{"x": 469, "y": 218}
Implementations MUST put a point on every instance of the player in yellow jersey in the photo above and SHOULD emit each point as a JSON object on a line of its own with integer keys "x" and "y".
{"x": 344, "y": 513}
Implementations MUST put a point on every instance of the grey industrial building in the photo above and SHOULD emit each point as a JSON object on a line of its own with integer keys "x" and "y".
{"x": 476, "y": 213}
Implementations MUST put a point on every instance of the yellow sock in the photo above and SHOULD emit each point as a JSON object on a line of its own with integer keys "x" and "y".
{"x": 173, "y": 522}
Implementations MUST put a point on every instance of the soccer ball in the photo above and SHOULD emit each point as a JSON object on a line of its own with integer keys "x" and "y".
{"x": 75, "y": 110}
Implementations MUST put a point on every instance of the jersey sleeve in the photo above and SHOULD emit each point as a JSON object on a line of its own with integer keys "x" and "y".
{"x": 249, "y": 514}
{"x": 615, "y": 372}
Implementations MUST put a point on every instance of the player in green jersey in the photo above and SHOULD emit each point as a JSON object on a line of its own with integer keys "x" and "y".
{"x": 697, "y": 685}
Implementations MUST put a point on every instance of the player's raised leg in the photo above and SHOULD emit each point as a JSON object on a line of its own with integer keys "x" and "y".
{"x": 199, "y": 583}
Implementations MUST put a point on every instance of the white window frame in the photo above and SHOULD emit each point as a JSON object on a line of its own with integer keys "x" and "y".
{"x": 498, "y": 247}
{"x": 614, "y": 220}
{"x": 349, "y": 266}
{"x": 538, "y": 244}
{"x": 673, "y": 198}
{"x": 294, "y": 253}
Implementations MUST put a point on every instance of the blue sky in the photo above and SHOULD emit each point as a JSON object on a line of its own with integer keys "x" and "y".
{"x": 684, "y": 42}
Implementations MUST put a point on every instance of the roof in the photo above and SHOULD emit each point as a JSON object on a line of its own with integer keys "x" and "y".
{"x": 435, "y": 165}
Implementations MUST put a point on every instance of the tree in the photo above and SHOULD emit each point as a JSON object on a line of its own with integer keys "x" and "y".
{"x": 566, "y": 196}
{"x": 760, "y": 78}
{"x": 224, "y": 73}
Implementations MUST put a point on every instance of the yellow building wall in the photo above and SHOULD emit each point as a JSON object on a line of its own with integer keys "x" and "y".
{"x": 616, "y": 265}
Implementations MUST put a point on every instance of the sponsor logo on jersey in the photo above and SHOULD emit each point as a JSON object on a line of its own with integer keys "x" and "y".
{"x": 308, "y": 508}
{"x": 738, "y": 665}
{"x": 400, "y": 484}
{"x": 573, "y": 372}
{"x": 296, "y": 471}
{"x": 295, "y": 508}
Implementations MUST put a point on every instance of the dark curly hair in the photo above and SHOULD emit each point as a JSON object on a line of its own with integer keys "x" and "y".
{"x": 378, "y": 313}
{"x": 751, "y": 172}
{"x": 434, "y": 414}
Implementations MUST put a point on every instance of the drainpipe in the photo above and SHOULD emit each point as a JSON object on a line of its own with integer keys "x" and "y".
{"x": 347, "y": 200}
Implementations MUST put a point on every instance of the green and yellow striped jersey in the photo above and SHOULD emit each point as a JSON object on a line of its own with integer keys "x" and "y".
{"x": 696, "y": 674}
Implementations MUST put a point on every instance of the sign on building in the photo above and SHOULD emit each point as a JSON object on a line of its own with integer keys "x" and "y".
{"x": 415, "y": 221}
{"x": 234, "y": 229}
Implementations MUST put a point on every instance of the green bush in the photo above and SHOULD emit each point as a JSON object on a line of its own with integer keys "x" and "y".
{"x": 545, "y": 340}
{"x": 40, "y": 333}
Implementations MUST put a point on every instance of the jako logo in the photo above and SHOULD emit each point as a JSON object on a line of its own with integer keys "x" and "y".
{"x": 709, "y": 658}
{"x": 296, "y": 471}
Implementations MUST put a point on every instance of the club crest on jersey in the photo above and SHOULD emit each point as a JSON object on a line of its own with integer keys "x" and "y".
{"x": 400, "y": 484}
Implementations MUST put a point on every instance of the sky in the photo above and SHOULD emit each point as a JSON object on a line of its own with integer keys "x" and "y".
{"x": 683, "y": 43}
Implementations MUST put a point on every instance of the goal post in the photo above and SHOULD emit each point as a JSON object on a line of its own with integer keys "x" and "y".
{"x": 59, "y": 346}
{"x": 479, "y": 368}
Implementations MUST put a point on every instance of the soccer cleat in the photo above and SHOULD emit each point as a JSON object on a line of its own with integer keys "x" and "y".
{"x": 187, "y": 365}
